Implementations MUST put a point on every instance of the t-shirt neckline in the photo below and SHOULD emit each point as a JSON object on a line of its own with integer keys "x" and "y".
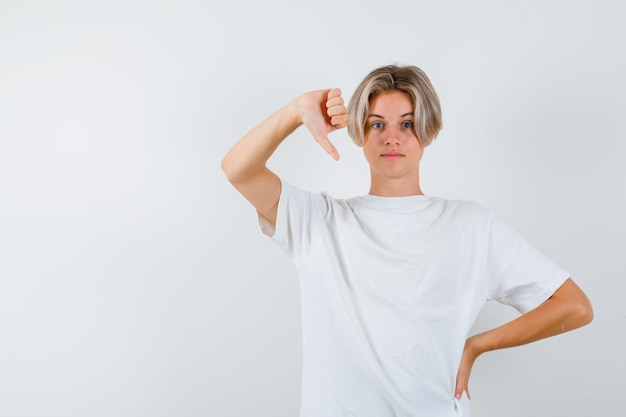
{"x": 403, "y": 202}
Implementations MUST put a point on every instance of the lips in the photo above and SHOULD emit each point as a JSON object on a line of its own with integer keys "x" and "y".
{"x": 392, "y": 155}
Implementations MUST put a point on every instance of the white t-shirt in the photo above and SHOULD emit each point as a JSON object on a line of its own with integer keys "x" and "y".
{"x": 390, "y": 287}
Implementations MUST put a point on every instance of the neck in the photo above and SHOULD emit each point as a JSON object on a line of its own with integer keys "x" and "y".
{"x": 395, "y": 187}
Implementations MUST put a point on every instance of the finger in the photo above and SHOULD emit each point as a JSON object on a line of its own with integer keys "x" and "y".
{"x": 328, "y": 146}
{"x": 461, "y": 383}
{"x": 458, "y": 391}
{"x": 460, "y": 387}
{"x": 340, "y": 121}
{"x": 336, "y": 110}
{"x": 334, "y": 101}
{"x": 333, "y": 92}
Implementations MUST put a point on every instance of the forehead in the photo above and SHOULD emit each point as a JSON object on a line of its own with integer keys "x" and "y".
{"x": 391, "y": 103}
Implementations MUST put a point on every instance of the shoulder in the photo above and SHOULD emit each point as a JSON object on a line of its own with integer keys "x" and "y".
{"x": 465, "y": 211}
{"x": 297, "y": 198}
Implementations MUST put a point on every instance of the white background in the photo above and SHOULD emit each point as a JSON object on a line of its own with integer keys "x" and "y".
{"x": 133, "y": 278}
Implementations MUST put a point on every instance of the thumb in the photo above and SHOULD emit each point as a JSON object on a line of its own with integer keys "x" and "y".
{"x": 460, "y": 387}
{"x": 458, "y": 392}
{"x": 321, "y": 137}
{"x": 328, "y": 146}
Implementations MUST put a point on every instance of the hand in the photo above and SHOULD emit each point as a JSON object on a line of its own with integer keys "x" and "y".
{"x": 322, "y": 112}
{"x": 465, "y": 368}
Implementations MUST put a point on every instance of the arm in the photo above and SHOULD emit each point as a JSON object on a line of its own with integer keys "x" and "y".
{"x": 245, "y": 164}
{"x": 567, "y": 309}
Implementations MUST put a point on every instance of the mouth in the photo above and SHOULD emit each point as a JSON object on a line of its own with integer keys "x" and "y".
{"x": 392, "y": 155}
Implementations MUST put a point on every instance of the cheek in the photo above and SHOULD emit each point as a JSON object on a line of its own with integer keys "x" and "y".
{"x": 368, "y": 151}
{"x": 419, "y": 153}
{"x": 371, "y": 138}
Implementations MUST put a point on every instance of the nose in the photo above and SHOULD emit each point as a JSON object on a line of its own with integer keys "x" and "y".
{"x": 392, "y": 136}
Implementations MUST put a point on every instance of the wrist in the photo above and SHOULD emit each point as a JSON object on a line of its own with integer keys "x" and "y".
{"x": 296, "y": 110}
{"x": 475, "y": 345}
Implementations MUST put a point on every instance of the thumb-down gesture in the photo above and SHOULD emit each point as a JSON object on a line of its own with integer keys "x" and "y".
{"x": 322, "y": 112}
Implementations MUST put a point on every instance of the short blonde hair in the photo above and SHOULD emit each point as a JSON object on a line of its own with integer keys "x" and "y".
{"x": 410, "y": 80}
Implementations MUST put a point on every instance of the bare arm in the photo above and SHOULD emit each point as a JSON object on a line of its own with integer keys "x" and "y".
{"x": 245, "y": 164}
{"x": 567, "y": 309}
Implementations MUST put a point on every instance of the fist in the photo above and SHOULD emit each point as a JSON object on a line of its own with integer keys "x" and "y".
{"x": 336, "y": 110}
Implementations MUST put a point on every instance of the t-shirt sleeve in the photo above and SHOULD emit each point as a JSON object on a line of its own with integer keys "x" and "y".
{"x": 518, "y": 274}
{"x": 299, "y": 222}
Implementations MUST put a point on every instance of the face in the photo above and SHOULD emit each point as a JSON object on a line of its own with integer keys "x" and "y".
{"x": 390, "y": 144}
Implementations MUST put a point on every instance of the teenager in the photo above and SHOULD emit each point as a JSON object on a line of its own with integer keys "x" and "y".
{"x": 392, "y": 281}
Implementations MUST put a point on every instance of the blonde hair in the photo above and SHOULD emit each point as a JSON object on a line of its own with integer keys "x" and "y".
{"x": 410, "y": 80}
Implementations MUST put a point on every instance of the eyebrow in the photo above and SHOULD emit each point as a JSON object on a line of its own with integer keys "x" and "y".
{"x": 381, "y": 117}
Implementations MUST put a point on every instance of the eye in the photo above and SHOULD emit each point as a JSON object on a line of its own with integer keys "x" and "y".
{"x": 377, "y": 125}
{"x": 407, "y": 124}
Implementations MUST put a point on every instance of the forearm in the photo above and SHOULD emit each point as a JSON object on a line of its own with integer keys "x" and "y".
{"x": 249, "y": 155}
{"x": 566, "y": 310}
